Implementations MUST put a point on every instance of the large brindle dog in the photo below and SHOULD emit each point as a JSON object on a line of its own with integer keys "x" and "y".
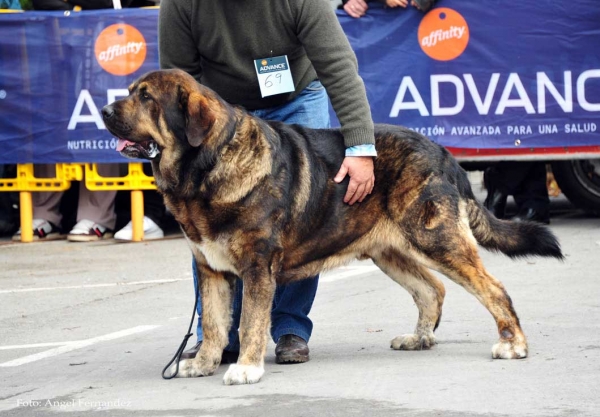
{"x": 256, "y": 200}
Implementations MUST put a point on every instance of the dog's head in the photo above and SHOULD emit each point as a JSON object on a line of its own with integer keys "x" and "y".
{"x": 165, "y": 110}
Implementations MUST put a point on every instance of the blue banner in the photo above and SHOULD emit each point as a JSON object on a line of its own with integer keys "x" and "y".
{"x": 57, "y": 71}
{"x": 480, "y": 76}
{"x": 485, "y": 75}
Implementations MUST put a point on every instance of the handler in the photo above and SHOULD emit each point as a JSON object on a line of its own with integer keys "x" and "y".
{"x": 271, "y": 58}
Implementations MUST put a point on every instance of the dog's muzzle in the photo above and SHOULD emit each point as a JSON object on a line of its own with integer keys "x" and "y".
{"x": 147, "y": 149}
{"x": 143, "y": 150}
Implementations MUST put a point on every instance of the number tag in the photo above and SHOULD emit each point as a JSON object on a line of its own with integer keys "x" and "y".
{"x": 274, "y": 75}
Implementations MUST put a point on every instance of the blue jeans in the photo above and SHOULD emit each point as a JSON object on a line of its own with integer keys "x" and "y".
{"x": 292, "y": 302}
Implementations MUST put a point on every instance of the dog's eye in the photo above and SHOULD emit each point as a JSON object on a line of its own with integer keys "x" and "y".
{"x": 145, "y": 96}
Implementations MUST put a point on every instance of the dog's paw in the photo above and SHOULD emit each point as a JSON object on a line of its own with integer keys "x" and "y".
{"x": 509, "y": 350}
{"x": 191, "y": 368}
{"x": 413, "y": 342}
{"x": 185, "y": 366}
{"x": 243, "y": 374}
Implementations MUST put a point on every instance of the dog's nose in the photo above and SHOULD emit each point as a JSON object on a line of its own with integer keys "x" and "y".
{"x": 108, "y": 111}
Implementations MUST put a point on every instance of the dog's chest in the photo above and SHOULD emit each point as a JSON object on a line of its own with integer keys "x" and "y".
{"x": 216, "y": 255}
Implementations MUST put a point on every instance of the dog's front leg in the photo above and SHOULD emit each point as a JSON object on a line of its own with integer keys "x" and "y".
{"x": 215, "y": 292}
{"x": 259, "y": 290}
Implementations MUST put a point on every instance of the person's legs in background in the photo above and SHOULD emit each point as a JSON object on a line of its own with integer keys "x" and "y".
{"x": 46, "y": 209}
{"x": 155, "y": 211}
{"x": 9, "y": 204}
{"x": 532, "y": 196}
{"x": 96, "y": 217}
{"x": 154, "y": 215}
{"x": 95, "y": 210}
{"x": 291, "y": 327}
{"x": 495, "y": 200}
{"x": 526, "y": 182}
{"x": 502, "y": 180}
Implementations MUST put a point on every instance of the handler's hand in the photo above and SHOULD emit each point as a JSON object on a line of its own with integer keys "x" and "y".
{"x": 396, "y": 3}
{"x": 362, "y": 178}
{"x": 356, "y": 8}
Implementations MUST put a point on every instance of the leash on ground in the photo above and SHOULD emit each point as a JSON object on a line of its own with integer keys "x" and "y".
{"x": 177, "y": 356}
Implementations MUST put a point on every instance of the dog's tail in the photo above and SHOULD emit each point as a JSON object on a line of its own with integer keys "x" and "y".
{"x": 514, "y": 239}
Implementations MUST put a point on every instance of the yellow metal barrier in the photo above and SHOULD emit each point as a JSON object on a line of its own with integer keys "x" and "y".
{"x": 26, "y": 180}
{"x": 25, "y": 183}
{"x": 135, "y": 180}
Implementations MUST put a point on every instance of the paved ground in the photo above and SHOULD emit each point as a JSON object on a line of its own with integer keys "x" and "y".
{"x": 85, "y": 330}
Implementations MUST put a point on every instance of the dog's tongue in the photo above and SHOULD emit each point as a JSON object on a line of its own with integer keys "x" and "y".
{"x": 123, "y": 144}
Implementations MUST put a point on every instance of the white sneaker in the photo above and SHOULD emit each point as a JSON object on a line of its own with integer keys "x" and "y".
{"x": 42, "y": 230}
{"x": 88, "y": 231}
{"x": 151, "y": 231}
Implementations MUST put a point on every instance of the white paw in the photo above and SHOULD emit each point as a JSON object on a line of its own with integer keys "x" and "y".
{"x": 185, "y": 367}
{"x": 190, "y": 368}
{"x": 243, "y": 374}
{"x": 509, "y": 350}
{"x": 413, "y": 342}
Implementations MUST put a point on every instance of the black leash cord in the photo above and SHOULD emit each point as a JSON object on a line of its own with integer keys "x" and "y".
{"x": 177, "y": 356}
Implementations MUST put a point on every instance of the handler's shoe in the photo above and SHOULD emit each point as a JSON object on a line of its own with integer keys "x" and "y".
{"x": 42, "y": 230}
{"x": 226, "y": 357}
{"x": 532, "y": 215}
{"x": 291, "y": 349}
{"x": 88, "y": 231}
{"x": 151, "y": 231}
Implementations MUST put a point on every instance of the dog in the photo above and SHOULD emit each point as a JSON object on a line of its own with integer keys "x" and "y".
{"x": 256, "y": 200}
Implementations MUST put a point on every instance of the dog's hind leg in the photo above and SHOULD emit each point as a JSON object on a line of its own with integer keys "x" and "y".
{"x": 216, "y": 290}
{"x": 454, "y": 253}
{"x": 470, "y": 273}
{"x": 438, "y": 231}
{"x": 427, "y": 292}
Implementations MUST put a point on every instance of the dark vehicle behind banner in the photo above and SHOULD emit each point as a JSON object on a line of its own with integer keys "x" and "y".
{"x": 490, "y": 81}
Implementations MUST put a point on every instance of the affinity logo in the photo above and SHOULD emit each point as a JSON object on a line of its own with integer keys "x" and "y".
{"x": 120, "y": 49}
{"x": 443, "y": 34}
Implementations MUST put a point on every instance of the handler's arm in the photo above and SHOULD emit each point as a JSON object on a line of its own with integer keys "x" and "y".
{"x": 176, "y": 45}
{"x": 329, "y": 51}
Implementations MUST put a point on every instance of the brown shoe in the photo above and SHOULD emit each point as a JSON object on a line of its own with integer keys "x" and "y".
{"x": 226, "y": 357}
{"x": 291, "y": 349}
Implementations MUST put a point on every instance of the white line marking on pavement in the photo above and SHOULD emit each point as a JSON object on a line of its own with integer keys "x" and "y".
{"x": 70, "y": 346}
{"x": 329, "y": 276}
{"x": 110, "y": 284}
{"x": 347, "y": 272}
{"x": 34, "y": 345}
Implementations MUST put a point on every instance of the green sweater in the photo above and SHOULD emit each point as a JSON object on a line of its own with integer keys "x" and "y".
{"x": 217, "y": 42}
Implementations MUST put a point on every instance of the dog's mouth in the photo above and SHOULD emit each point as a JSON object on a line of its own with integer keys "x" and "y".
{"x": 147, "y": 149}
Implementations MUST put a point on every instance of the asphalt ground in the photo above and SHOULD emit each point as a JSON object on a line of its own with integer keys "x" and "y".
{"x": 86, "y": 329}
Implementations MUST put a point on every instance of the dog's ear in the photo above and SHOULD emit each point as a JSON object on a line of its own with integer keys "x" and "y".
{"x": 198, "y": 117}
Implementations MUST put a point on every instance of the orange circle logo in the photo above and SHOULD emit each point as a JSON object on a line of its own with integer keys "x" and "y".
{"x": 443, "y": 34}
{"x": 120, "y": 49}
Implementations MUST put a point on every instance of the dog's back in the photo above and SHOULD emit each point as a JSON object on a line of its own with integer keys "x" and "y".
{"x": 419, "y": 187}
